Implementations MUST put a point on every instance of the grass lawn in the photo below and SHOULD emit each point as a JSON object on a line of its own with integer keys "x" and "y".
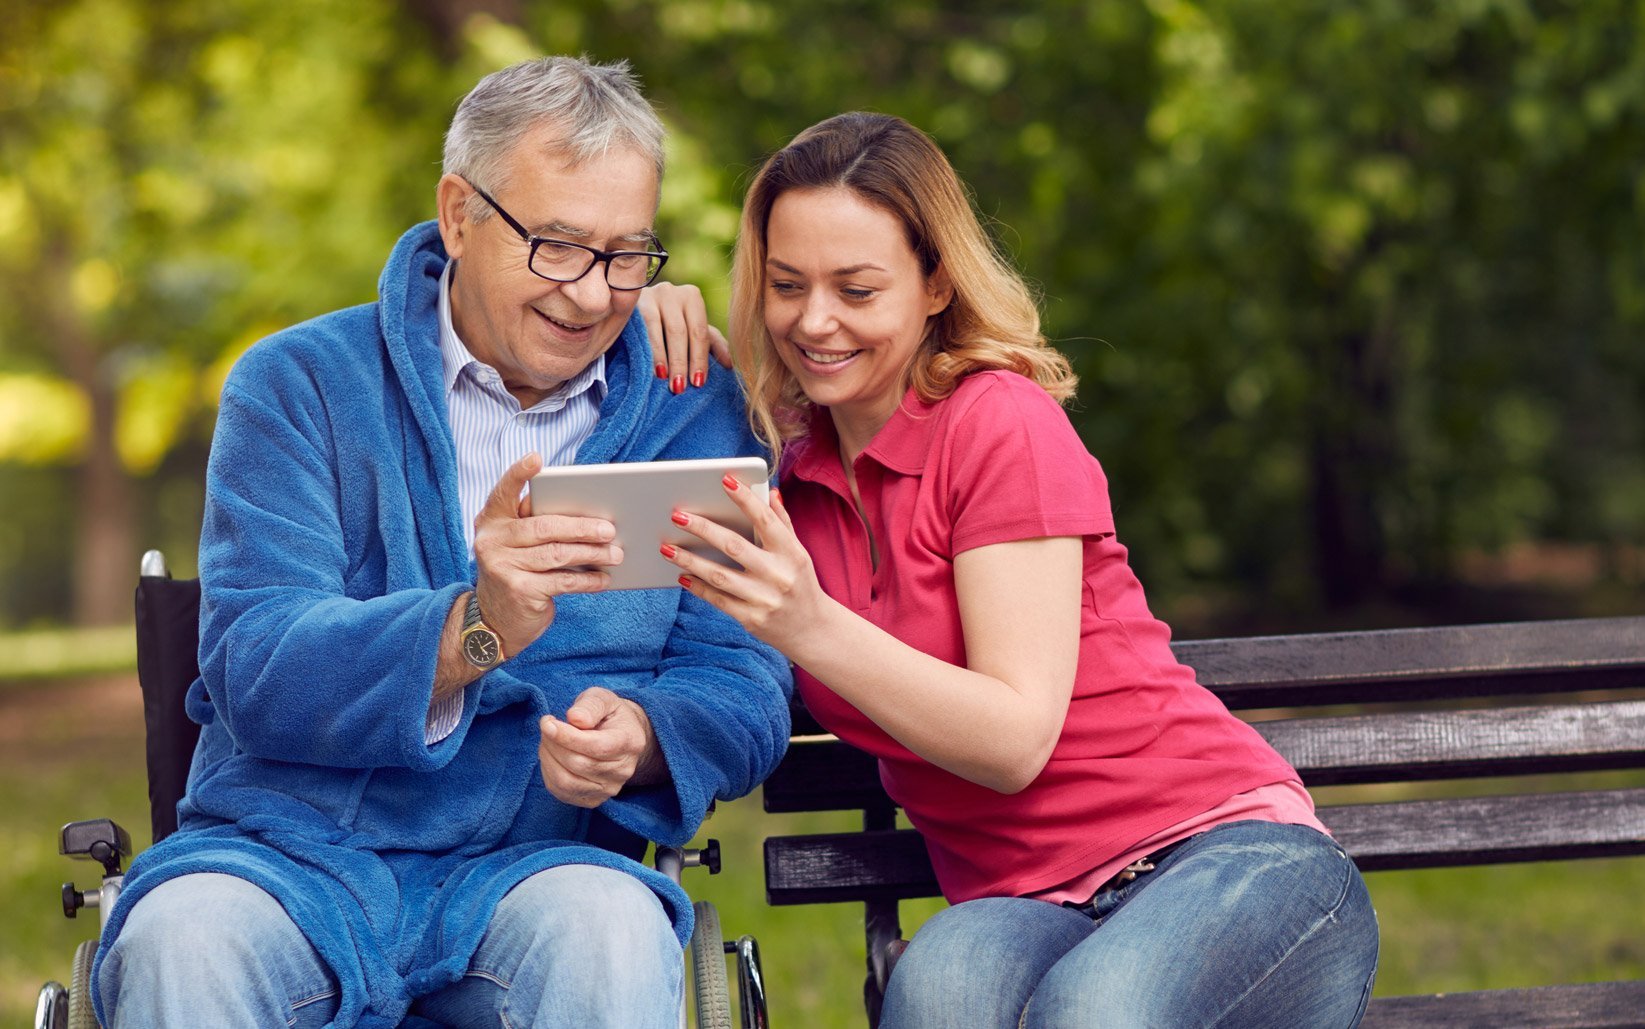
{"x": 73, "y": 749}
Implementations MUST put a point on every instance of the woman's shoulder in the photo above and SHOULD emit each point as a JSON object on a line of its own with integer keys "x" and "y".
{"x": 999, "y": 387}
{"x": 996, "y": 400}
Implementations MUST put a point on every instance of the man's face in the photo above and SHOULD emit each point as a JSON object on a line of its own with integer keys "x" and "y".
{"x": 534, "y": 332}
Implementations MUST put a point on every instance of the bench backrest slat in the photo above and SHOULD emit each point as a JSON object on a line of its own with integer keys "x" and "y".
{"x": 1383, "y": 747}
{"x": 1490, "y": 830}
{"x": 1411, "y": 664}
{"x": 1405, "y": 834}
{"x": 1413, "y": 745}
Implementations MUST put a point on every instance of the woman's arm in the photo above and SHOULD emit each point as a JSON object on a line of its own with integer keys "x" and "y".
{"x": 994, "y": 722}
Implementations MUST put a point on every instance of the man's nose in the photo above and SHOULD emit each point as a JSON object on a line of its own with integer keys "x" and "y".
{"x": 591, "y": 293}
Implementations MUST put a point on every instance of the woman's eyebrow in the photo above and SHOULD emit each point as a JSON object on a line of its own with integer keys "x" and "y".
{"x": 849, "y": 270}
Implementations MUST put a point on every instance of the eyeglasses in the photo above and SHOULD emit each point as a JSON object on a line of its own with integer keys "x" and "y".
{"x": 560, "y": 260}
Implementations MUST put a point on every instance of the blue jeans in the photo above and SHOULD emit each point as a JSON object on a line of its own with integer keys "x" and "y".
{"x": 1247, "y": 924}
{"x": 575, "y": 945}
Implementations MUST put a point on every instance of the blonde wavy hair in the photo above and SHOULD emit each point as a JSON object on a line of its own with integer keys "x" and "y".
{"x": 992, "y": 321}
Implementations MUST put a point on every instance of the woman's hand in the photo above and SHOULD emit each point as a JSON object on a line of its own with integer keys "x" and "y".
{"x": 676, "y": 322}
{"x": 776, "y": 596}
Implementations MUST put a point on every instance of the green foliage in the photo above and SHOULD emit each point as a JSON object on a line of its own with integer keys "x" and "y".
{"x": 1355, "y": 289}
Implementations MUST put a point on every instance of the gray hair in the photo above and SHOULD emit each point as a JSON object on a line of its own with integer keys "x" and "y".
{"x": 597, "y": 107}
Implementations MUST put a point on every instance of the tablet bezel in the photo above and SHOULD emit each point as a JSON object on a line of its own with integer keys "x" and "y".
{"x": 639, "y": 496}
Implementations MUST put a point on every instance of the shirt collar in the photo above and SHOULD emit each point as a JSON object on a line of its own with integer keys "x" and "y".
{"x": 455, "y": 356}
{"x": 901, "y": 445}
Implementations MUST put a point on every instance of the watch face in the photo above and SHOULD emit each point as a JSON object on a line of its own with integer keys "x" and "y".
{"x": 481, "y": 648}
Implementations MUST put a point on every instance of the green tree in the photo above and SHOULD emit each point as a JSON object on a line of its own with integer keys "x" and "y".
{"x": 1354, "y": 288}
{"x": 176, "y": 180}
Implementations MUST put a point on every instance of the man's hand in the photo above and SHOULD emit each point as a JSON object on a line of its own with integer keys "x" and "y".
{"x": 527, "y": 560}
{"x": 604, "y": 743}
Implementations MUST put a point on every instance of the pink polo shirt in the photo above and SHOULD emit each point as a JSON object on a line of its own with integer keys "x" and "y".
{"x": 1144, "y": 747}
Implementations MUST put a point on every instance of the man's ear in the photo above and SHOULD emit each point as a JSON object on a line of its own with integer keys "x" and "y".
{"x": 451, "y": 202}
{"x": 940, "y": 289}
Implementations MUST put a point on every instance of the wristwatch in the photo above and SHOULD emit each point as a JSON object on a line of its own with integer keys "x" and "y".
{"x": 481, "y": 644}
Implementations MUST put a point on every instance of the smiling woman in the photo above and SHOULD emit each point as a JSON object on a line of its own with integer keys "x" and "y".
{"x": 943, "y": 570}
{"x": 846, "y": 304}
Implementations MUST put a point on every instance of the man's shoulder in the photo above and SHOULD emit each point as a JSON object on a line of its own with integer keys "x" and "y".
{"x": 332, "y": 343}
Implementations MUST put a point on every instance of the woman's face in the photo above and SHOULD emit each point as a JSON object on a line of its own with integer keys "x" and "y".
{"x": 846, "y": 303}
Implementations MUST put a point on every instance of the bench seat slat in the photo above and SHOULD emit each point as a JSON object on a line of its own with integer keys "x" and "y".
{"x": 893, "y": 865}
{"x": 1608, "y": 1005}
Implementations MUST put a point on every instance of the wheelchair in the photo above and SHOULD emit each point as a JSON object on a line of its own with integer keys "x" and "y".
{"x": 168, "y": 626}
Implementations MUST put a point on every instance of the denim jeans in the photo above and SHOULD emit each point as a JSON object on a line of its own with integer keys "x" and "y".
{"x": 575, "y": 945}
{"x": 1248, "y": 924}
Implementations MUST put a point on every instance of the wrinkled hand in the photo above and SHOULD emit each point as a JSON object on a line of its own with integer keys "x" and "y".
{"x": 604, "y": 743}
{"x": 525, "y": 561}
{"x": 676, "y": 321}
{"x": 776, "y": 596}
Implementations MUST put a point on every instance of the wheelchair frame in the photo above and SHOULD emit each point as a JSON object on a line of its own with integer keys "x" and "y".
{"x": 168, "y": 620}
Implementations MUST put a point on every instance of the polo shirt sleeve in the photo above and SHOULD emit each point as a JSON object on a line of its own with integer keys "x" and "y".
{"x": 1017, "y": 469}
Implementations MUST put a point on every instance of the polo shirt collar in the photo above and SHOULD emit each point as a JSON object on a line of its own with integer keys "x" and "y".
{"x": 901, "y": 445}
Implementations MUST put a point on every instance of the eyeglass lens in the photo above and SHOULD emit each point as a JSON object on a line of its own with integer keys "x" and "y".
{"x": 563, "y": 262}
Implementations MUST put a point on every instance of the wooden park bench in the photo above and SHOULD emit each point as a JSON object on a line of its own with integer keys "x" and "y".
{"x": 1544, "y": 698}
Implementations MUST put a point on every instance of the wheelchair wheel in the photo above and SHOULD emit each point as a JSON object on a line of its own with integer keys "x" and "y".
{"x": 81, "y": 1013}
{"x": 713, "y": 993}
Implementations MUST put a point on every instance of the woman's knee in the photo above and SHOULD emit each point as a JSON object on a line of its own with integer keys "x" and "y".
{"x": 976, "y": 964}
{"x": 1253, "y": 918}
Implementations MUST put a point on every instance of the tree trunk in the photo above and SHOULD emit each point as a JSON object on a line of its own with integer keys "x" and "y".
{"x": 105, "y": 550}
{"x": 104, "y": 554}
{"x": 1354, "y": 462}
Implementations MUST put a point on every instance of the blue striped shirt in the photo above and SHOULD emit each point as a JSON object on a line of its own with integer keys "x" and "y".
{"x": 492, "y": 432}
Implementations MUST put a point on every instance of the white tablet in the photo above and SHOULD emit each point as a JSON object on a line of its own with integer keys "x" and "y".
{"x": 639, "y": 497}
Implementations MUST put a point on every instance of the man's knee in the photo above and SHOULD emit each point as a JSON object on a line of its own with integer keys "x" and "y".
{"x": 594, "y": 910}
{"x": 204, "y": 917}
{"x": 582, "y": 945}
{"x": 215, "y": 936}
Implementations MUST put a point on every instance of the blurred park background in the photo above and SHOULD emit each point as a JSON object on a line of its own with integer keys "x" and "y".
{"x": 1357, "y": 293}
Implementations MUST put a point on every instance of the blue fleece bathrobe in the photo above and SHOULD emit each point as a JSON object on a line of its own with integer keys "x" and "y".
{"x": 331, "y": 553}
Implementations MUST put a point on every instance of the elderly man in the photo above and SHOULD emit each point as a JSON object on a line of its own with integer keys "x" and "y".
{"x": 433, "y": 749}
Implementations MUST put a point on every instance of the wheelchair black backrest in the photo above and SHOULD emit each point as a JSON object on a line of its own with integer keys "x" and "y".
{"x": 168, "y": 662}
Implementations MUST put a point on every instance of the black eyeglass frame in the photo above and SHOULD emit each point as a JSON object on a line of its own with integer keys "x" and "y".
{"x": 599, "y": 256}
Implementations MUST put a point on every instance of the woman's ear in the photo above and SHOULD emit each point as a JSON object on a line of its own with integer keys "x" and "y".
{"x": 451, "y": 203}
{"x": 941, "y": 291}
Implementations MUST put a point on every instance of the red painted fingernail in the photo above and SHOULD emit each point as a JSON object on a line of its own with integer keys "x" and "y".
{"x": 669, "y": 550}
{"x": 685, "y": 580}
{"x": 678, "y": 385}
{"x": 680, "y": 518}
{"x": 698, "y": 378}
{"x": 662, "y": 371}
{"x": 730, "y": 481}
